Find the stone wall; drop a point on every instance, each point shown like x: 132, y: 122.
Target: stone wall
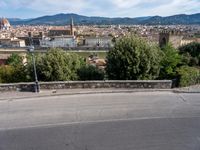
x: 147, y: 84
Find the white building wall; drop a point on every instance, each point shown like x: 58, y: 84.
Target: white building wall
x: 101, y: 41
x: 58, y: 42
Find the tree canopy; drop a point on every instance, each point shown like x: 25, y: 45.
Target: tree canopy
x: 169, y: 63
x: 192, y: 53
x: 58, y: 65
x: 133, y: 58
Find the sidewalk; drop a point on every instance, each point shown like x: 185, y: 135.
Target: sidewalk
x: 190, y: 89
x: 45, y: 93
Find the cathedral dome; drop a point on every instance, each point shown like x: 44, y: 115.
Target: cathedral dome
x: 4, y: 23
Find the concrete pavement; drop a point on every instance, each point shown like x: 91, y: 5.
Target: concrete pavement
x: 45, y: 93
x: 109, y: 121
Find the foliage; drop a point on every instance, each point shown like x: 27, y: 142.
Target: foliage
x: 170, y: 61
x: 188, y: 76
x: 133, y: 58
x: 56, y: 65
x: 6, y: 74
x: 192, y: 53
x: 14, y: 60
x: 90, y: 72
x: 14, y: 71
x: 11, y: 74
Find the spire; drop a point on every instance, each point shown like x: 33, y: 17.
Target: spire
x: 1, y: 24
x: 72, y: 26
x: 72, y: 22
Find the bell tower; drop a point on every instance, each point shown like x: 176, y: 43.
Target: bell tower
x: 72, y: 27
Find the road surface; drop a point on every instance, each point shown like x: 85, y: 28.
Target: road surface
x: 118, y: 121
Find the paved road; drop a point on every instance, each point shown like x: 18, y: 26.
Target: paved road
x: 124, y: 121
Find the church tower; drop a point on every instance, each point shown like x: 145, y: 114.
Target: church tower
x: 72, y: 27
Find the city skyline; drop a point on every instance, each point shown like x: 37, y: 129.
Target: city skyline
x: 105, y: 8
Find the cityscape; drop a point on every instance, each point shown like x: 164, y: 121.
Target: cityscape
x: 89, y: 37
x: 100, y: 75
x: 74, y: 35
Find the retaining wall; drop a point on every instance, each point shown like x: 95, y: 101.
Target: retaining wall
x: 144, y: 84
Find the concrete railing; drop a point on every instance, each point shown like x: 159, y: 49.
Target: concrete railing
x: 130, y: 84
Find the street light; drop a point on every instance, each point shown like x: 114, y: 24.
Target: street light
x: 31, y: 49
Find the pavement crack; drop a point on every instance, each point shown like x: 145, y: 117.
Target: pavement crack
x: 182, y: 98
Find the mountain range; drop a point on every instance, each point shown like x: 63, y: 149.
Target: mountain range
x: 63, y: 19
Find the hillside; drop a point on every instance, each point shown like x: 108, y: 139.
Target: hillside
x: 63, y: 19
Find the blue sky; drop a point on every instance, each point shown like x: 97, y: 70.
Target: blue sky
x: 106, y: 8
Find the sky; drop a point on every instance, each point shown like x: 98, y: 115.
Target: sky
x: 105, y: 8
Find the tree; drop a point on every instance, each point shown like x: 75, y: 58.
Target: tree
x: 188, y: 76
x: 169, y: 63
x: 133, y: 58
x: 7, y: 74
x: 57, y: 65
x: 192, y: 52
x: 14, y: 60
x: 89, y: 72
x: 14, y: 71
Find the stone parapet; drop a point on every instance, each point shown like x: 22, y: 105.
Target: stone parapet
x: 129, y: 84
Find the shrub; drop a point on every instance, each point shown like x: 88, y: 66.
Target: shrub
x: 133, y: 58
x: 169, y: 63
x: 192, y: 51
x: 11, y: 74
x: 90, y: 72
x: 6, y: 74
x: 14, y: 60
x: 188, y: 76
x: 56, y: 65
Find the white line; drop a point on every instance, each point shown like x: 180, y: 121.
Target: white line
x: 92, y: 122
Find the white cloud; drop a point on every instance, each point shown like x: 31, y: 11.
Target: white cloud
x: 129, y: 8
x: 176, y: 7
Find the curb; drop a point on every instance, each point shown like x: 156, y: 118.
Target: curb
x: 184, y: 91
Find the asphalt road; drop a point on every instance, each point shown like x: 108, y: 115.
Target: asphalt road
x: 124, y: 121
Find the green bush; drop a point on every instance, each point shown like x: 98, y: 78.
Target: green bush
x: 6, y: 74
x: 192, y: 52
x: 11, y: 74
x: 13, y: 71
x: 14, y: 60
x: 89, y: 72
x: 188, y: 76
x: 56, y: 65
x: 133, y: 58
x: 169, y: 63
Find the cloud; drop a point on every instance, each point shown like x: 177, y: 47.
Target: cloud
x: 110, y: 8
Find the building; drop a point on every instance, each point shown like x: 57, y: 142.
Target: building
x: 12, y: 42
x: 188, y: 40
x: 98, y: 41
x: 60, y: 37
x: 58, y: 41
x: 4, y: 24
x: 173, y: 37
x: 59, y: 31
x: 63, y: 31
x: 6, y: 53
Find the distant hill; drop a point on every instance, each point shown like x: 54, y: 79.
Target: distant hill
x: 174, y: 20
x: 63, y: 19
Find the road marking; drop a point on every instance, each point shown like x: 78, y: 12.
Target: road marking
x: 92, y: 122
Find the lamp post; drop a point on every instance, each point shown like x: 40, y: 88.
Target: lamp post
x: 37, y: 86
